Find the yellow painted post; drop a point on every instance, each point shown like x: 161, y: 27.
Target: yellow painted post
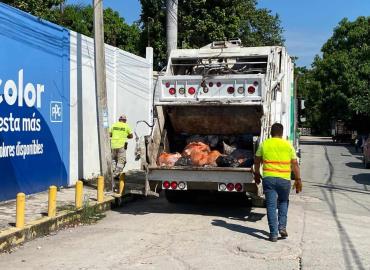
x: 100, y: 188
x: 79, y: 194
x: 121, y: 183
x: 52, y: 210
x: 20, y: 206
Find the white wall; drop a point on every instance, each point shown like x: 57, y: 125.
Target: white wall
x: 129, y: 91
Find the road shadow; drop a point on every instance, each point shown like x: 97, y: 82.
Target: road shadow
x: 260, y: 234
x: 355, y: 165
x: 353, y: 151
x: 340, y: 188
x: 208, y: 206
x: 362, y: 178
x: 349, y: 250
x: 316, y: 143
x: 320, y: 142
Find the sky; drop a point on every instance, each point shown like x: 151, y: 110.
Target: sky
x: 307, y: 23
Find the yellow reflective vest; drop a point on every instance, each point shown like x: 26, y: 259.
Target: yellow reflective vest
x: 119, y: 132
x: 276, y: 155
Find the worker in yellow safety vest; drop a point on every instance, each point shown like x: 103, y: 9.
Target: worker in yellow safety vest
x: 279, y: 159
x: 119, y: 133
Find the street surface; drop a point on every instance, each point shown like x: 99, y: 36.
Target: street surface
x: 328, y: 226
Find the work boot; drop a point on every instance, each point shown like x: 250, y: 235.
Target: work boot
x: 283, y: 233
x: 273, y: 238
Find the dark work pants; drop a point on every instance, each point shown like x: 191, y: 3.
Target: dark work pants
x: 277, y: 197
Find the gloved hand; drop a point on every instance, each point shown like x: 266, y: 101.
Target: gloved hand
x: 297, y: 185
x: 257, y: 177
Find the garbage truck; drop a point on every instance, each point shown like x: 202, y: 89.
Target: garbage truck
x: 227, y: 93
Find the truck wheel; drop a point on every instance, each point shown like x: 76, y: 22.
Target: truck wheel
x: 174, y: 196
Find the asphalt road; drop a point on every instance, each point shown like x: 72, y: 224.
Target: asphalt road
x: 329, y: 228
x: 337, y: 228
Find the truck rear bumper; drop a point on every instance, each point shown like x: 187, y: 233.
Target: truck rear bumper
x: 201, y: 174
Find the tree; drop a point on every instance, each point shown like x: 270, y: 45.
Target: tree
x: 120, y: 34
x: 80, y: 18
x: 39, y: 8
x: 338, y: 86
x: 200, y: 22
x: 75, y: 17
x: 116, y: 31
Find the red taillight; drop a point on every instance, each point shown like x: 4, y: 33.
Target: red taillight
x: 166, y: 184
x: 172, y: 91
x: 251, y: 90
x: 238, y: 187
x: 210, y: 84
x: 191, y: 90
x: 168, y: 84
x: 218, y: 84
x: 173, y: 185
x: 255, y: 83
x: 230, y: 186
x: 230, y: 90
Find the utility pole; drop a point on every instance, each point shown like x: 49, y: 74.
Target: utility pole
x: 61, y: 13
x: 172, y: 10
x: 150, y: 20
x: 101, y: 96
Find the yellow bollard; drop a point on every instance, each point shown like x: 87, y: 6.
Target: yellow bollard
x: 100, y: 188
x: 121, y: 183
x: 20, y: 205
x: 52, y: 209
x: 79, y: 193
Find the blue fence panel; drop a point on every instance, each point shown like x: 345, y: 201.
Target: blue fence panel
x: 34, y: 103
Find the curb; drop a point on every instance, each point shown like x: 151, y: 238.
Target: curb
x: 12, y: 237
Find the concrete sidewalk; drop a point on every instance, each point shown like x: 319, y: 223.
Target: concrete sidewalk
x: 37, y: 223
x: 37, y: 205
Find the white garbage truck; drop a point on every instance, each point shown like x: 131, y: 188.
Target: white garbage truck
x: 227, y: 93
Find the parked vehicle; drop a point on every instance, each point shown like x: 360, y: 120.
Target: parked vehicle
x: 222, y: 90
x: 341, y: 133
x: 366, y: 151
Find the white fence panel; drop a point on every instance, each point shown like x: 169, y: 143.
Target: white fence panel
x: 129, y: 91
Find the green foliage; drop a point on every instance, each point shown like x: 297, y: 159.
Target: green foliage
x: 90, y: 214
x: 80, y: 18
x: 39, y: 8
x: 200, y: 22
x: 338, y: 85
x: 75, y: 17
x: 116, y: 31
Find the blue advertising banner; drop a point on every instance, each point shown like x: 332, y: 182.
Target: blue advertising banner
x: 34, y: 103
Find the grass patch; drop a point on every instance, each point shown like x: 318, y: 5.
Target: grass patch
x: 65, y: 207
x: 90, y: 214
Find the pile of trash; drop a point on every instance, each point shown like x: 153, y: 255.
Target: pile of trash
x: 198, y: 152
